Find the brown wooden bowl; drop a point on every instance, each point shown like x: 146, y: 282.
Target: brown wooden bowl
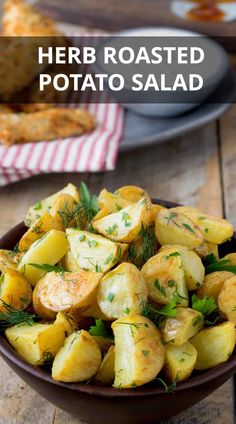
x: 103, y: 405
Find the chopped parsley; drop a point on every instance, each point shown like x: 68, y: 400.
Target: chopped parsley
x: 110, y: 297
x: 208, y: 307
x: 99, y: 330
x: 212, y: 265
x: 159, y: 287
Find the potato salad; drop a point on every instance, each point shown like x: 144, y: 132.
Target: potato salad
x: 118, y: 290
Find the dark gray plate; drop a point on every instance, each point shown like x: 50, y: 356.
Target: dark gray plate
x: 141, y: 131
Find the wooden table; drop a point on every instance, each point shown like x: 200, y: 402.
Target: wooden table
x: 196, y: 169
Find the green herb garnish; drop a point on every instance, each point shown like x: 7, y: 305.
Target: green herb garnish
x: 212, y: 265
x: 99, y: 330
x: 11, y: 316
x: 49, y: 268
x: 208, y: 307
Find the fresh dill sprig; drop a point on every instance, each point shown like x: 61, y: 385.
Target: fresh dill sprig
x: 139, y: 255
x: 212, y: 265
x: 168, y: 388
x: 86, y: 209
x: 11, y: 316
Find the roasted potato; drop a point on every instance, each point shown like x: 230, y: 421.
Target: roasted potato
x: 62, y: 210
x: 47, y: 250
x: 194, y: 270
x: 125, y: 225
x: 39, y: 208
x: 44, y: 224
x: 37, y: 343
x: 179, y: 361
x: 231, y: 257
x: 104, y: 343
x: 214, y: 345
x: 132, y: 193
x: 111, y: 202
x: 183, y: 327
x: 139, y: 352
x: 68, y: 320
x: 213, y: 284
x: 79, y: 358
x: 7, y: 260
x: 207, y: 249
x: 94, y: 252
x: 106, y: 372
x: 14, y: 290
x: 69, y: 263
x: 227, y: 299
x: 173, y: 227
x: 164, y: 276
x: 122, y: 292
x: 64, y: 292
x: 93, y: 311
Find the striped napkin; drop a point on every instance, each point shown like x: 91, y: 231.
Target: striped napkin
x: 92, y: 152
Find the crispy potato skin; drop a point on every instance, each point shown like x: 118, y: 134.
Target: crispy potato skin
x: 7, y: 260
x: 106, y: 372
x: 79, y: 359
x: 164, y: 275
x: 69, y: 263
x: 111, y: 202
x: 227, y: 299
x: 179, y: 361
x: 173, y: 227
x: 214, y: 345
x: 231, y: 257
x: 183, y: 327
x: 132, y: 193
x: 56, y: 292
x: 213, y: 284
x: 122, y: 291
x: 15, y: 290
x: 139, y: 352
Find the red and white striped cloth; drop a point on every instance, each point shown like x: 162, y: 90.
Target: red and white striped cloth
x: 92, y: 152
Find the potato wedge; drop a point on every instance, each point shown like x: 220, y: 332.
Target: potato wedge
x: 7, y: 260
x: 62, y: 210
x: 106, y: 372
x: 79, y: 359
x: 93, y: 311
x: 207, y: 249
x: 139, y: 352
x: 47, y: 250
x: 37, y: 343
x: 14, y: 290
x: 183, y: 327
x: 94, y: 252
x: 111, y: 202
x: 44, y: 224
x: 64, y: 292
x: 69, y: 263
x: 214, y: 345
x: 125, y: 225
x: 213, y: 284
x: 179, y: 362
x: 227, y: 299
x: 173, y: 227
x: 122, y: 291
x: 164, y: 276
x: 104, y: 343
x: 194, y: 270
x: 132, y: 193
x: 45, y: 205
x: 68, y: 320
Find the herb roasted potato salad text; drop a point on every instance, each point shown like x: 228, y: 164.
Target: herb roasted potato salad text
x: 118, y: 291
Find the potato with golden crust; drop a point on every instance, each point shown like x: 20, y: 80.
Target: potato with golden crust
x: 227, y: 299
x: 132, y: 193
x: 179, y: 361
x: 124, y: 226
x: 164, y: 276
x: 183, y: 327
x: 214, y: 345
x: 15, y: 290
x: 111, y: 202
x: 139, y: 352
x: 79, y: 359
x: 122, y: 292
x: 106, y: 372
x: 207, y: 249
x: 62, y: 210
x: 69, y: 263
x: 213, y: 284
x: 64, y: 292
x: 7, y: 259
x: 231, y: 257
x: 47, y: 250
x: 173, y: 227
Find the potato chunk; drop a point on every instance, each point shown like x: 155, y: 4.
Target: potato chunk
x: 14, y: 290
x: 194, y: 270
x: 164, y: 276
x: 231, y: 257
x: 37, y: 343
x: 180, y: 361
x: 39, y: 208
x: 183, y: 327
x: 213, y: 284
x: 64, y: 291
x: 111, y: 202
x: 227, y: 299
x: 62, y: 210
x: 93, y: 252
x: 173, y: 227
x: 47, y: 250
x: 106, y: 372
x: 132, y: 193
x: 125, y: 225
x: 7, y: 260
x: 79, y: 359
x: 139, y: 352
x: 69, y: 263
x: 122, y: 291
x: 214, y: 345
x: 207, y: 249
x: 44, y: 224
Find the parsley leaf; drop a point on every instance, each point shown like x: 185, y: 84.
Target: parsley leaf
x: 99, y: 330
x: 208, y: 307
x: 212, y: 265
x: 158, y: 314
